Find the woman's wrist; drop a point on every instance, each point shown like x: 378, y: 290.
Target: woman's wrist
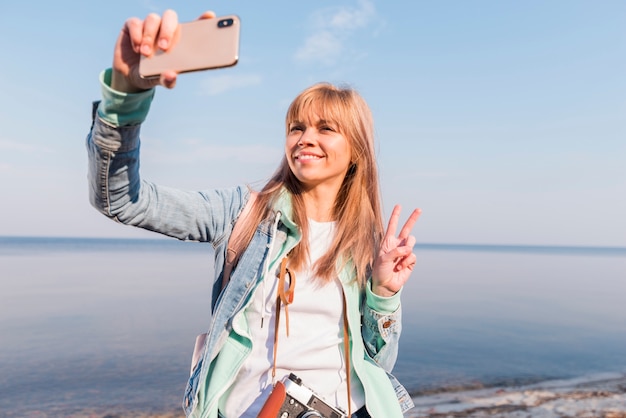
x: 120, y: 108
x: 381, y: 303
x: 382, y: 291
x: 120, y: 82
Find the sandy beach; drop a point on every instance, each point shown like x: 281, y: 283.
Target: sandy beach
x: 598, y: 396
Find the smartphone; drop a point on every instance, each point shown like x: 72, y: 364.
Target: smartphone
x: 203, y: 45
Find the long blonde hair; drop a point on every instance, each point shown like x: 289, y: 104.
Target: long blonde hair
x: 357, y: 209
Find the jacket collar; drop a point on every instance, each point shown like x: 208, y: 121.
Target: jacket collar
x: 283, y: 207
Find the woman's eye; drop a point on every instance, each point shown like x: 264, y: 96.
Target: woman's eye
x: 295, y: 128
x: 327, y: 128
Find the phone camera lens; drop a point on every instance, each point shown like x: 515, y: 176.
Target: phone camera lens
x: 224, y: 23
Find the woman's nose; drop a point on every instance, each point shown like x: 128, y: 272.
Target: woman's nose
x: 308, y: 136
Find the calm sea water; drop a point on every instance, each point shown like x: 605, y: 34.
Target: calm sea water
x: 102, y: 323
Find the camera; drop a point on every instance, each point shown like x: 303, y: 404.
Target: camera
x: 291, y: 399
x: 224, y: 23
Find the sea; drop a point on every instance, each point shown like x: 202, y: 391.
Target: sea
x: 91, y: 325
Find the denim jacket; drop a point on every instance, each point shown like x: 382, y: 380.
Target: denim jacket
x: 117, y: 191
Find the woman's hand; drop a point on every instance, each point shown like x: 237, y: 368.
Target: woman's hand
x: 144, y: 37
x: 395, y: 260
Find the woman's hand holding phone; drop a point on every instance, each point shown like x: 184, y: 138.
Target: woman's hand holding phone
x: 144, y: 38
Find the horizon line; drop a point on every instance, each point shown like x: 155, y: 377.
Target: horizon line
x: 543, y: 248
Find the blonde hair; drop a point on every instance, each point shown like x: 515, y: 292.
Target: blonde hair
x: 357, y: 208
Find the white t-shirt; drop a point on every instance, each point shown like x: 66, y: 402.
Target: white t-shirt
x: 314, y: 348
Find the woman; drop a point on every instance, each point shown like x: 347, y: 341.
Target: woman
x: 304, y: 268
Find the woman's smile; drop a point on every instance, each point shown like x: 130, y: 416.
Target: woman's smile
x: 305, y: 156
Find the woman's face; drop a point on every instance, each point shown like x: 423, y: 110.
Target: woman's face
x: 318, y: 155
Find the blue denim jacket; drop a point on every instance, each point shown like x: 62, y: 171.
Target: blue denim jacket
x: 117, y: 191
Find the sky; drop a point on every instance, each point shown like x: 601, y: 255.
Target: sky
x: 504, y: 121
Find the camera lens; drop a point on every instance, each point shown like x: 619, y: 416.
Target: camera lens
x: 225, y: 23
x: 311, y: 414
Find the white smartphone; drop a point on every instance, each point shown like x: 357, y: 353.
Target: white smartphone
x: 202, y: 45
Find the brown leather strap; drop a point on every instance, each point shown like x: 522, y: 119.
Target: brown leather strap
x: 276, y: 336
x: 271, y: 408
x: 346, y: 350
x: 284, y: 297
x: 236, y: 235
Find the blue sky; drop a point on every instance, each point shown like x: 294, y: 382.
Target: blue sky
x: 503, y: 120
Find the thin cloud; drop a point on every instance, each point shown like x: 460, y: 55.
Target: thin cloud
x: 353, y: 19
x: 323, y: 46
x: 219, y: 84
x: 332, y: 29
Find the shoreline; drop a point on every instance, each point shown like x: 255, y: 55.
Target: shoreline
x: 595, y: 396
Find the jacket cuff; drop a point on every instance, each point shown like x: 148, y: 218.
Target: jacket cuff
x: 122, y: 109
x: 384, y: 305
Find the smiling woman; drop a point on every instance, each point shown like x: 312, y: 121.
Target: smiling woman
x: 317, y: 153
x: 315, y: 134
x: 319, y: 218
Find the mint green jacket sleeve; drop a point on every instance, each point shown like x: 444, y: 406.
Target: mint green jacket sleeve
x: 382, y: 325
x: 122, y: 109
x: 118, y: 191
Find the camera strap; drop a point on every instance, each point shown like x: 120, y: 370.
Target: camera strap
x: 346, y: 350
x: 285, y: 297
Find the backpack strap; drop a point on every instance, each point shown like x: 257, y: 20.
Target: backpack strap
x: 231, y: 255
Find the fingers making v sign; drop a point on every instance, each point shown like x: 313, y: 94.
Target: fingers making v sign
x: 395, y: 259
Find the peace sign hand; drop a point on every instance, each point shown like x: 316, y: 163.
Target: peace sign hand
x: 395, y: 260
